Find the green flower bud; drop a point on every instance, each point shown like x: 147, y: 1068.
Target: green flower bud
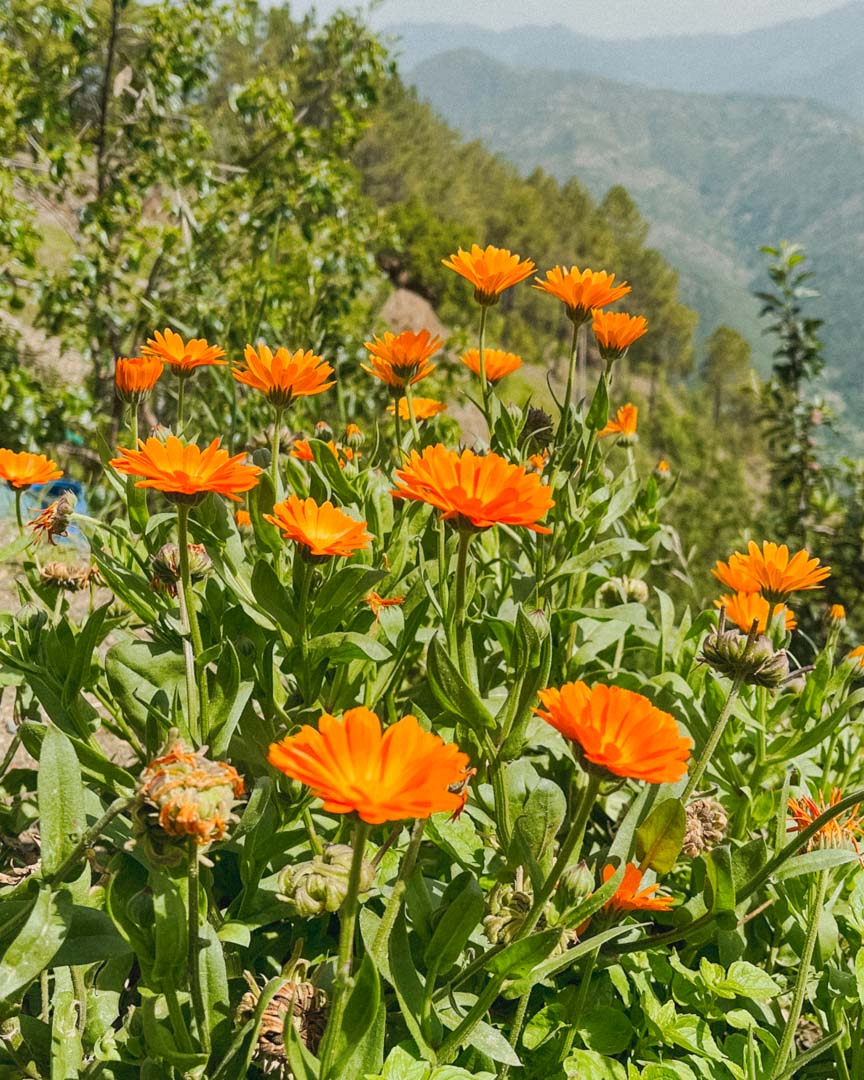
x: 751, y: 658
x: 320, y: 885
x: 574, y: 885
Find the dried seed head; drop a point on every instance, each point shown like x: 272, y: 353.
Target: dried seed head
x: 508, y: 908
x: 537, y: 431
x: 185, y: 794
x: 751, y: 657
x: 706, y: 826
x: 54, y: 519
x: 321, y: 884
x: 807, y: 1034
x: 166, y: 566
x: 59, y: 575
x: 308, y: 1008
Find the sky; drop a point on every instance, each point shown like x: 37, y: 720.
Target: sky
x: 610, y: 19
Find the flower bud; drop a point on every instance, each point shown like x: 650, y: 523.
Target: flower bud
x: 537, y: 431
x: 706, y: 826
x: 166, y: 566
x: 622, y: 590
x: 753, y: 659
x: 540, y: 621
x: 321, y: 884
x: 183, y: 794
x: 662, y: 470
x: 323, y: 431
x: 574, y: 885
x: 353, y: 437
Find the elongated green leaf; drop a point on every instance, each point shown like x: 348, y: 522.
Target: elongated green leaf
x: 452, y: 691
x: 720, y: 887
x: 660, y: 837
x: 463, y: 907
x: 812, y: 861
x: 345, y: 645
x: 36, y: 943
x: 272, y: 597
x: 66, y: 1050
x: 61, y: 799
x: 85, y: 645
x: 94, y: 765
x: 491, y: 1042
x: 360, y: 1012
x: 340, y: 595
x: 217, y: 997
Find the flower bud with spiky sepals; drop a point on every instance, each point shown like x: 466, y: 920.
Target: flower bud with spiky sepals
x: 183, y: 794
x: 166, y: 566
x: 749, y: 657
x: 706, y: 826
x: 537, y: 431
x: 321, y: 884
x: 574, y: 885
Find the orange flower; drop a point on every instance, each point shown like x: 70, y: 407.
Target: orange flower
x: 54, y: 519
x: 302, y: 450
x: 401, y: 360
x: 22, y: 469
x: 616, y: 331
x: 743, y: 608
x: 243, y: 519
x: 497, y: 362
x: 771, y: 571
x: 185, y: 472
x: 538, y: 461
x: 837, y: 613
x: 839, y: 832
x: 582, y: 290
x: 283, y: 376
x: 135, y: 377
x: 662, y: 469
x: 624, y: 423
x: 323, y: 530
x: 377, y: 603
x: 476, y: 492
x: 424, y: 408
x: 490, y: 271
x: 629, y: 897
x: 856, y: 654
x: 183, y: 356
x: 618, y: 730
x: 403, y: 772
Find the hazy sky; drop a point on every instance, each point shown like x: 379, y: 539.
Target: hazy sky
x: 612, y: 18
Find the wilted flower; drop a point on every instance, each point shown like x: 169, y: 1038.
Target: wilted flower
x: 771, y: 571
x: 135, y: 377
x: 186, y: 473
x: 581, y: 290
x: 537, y: 431
x: 60, y: 575
x: 474, y: 492
x: 183, y: 356
x: 749, y: 657
x: 308, y: 1009
x: 618, y: 731
x: 354, y: 766
x: 490, y: 271
x: 311, y: 888
x: 377, y: 603
x: 166, y: 566
x: 840, y: 832
x: 623, y: 423
x: 497, y: 363
x: 191, y: 795
x: 508, y: 908
x: 623, y: 590
x: 706, y: 826
x: 21, y: 469
x: 54, y: 519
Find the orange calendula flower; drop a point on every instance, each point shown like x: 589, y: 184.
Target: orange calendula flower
x: 630, y: 897
x: 662, y: 469
x: 839, y: 832
x: 615, y: 332
x: 497, y: 362
x: 475, y: 492
x: 302, y: 450
x: 183, y: 356
x: 21, y: 469
x: 538, y: 461
x: 135, y: 377
x: 623, y: 423
x: 771, y: 571
x: 186, y: 473
x: 743, y: 608
x: 581, y: 290
x: 243, y: 519
x: 837, y: 613
x: 490, y: 270
x: 378, y: 603
x: 424, y: 408
x: 354, y: 766
x: 618, y: 730
x: 283, y: 376
x: 321, y: 531
x: 401, y: 360
x: 856, y: 654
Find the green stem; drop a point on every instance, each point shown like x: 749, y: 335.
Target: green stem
x: 181, y: 401
x: 194, y: 946
x: 348, y: 920
x: 391, y: 911
x: 803, y: 971
x: 274, y: 452
x: 857, y: 1072
x: 409, y: 398
x: 398, y: 419
x: 303, y: 621
x: 18, y: 493
x: 516, y: 1030
x: 178, y: 1021
x: 579, y: 1004
x: 502, y: 806
x: 459, y: 612
x: 192, y: 619
x: 713, y: 739
x: 87, y: 839
x: 484, y: 385
x: 571, y: 374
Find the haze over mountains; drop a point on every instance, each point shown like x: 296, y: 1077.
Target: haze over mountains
x: 717, y: 174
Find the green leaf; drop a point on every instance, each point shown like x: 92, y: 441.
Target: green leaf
x: 693, y: 1033
x: 462, y: 907
x: 719, y: 886
x: 85, y: 645
x: 519, y: 957
x: 92, y: 939
x: 272, y: 597
x: 61, y: 799
x: 217, y: 997
x: 344, y: 646
x: 227, y: 701
x: 451, y: 690
x: 489, y: 1041
x: 360, y: 1013
x: 587, y: 1065
x: 340, y: 595
x: 35, y: 945
x: 660, y: 837
x: 95, y: 766
x: 813, y: 861
x: 535, y: 829
x: 598, y: 413
x: 409, y: 989
x: 169, y: 928
x: 592, y: 554
x: 66, y: 1050
x: 749, y: 981
x: 144, y: 675
x: 606, y: 1030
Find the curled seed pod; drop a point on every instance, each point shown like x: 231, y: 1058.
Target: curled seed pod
x: 706, y: 826
x: 508, y: 908
x: 321, y: 884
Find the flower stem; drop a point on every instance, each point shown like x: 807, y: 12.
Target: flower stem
x: 348, y: 920
x: 459, y: 612
x: 274, y: 452
x: 516, y: 1030
x: 181, y: 401
x: 391, y: 911
x: 803, y: 971
x: 18, y: 493
x: 194, y: 946
x: 303, y: 620
x: 571, y: 374
x: 92, y: 834
x: 409, y: 398
x: 713, y: 739
x: 579, y: 1004
x: 484, y: 385
x: 398, y: 420
x: 192, y: 620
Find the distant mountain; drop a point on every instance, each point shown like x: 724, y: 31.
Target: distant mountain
x: 716, y: 175
x: 820, y: 57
